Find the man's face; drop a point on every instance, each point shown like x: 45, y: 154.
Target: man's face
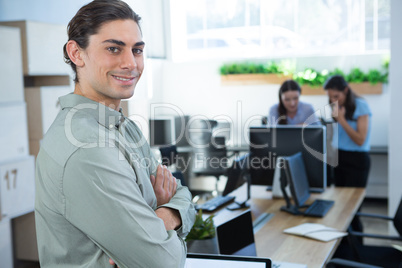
x: 112, y: 63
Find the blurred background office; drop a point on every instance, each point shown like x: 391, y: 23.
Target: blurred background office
x: 187, y: 42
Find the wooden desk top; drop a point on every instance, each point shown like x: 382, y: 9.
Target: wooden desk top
x: 273, y: 243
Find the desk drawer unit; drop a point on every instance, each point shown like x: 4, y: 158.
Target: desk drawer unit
x: 11, y: 78
x: 17, y: 187
x: 14, y: 133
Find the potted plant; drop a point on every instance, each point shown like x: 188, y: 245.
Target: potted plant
x: 247, y: 73
x: 202, y: 238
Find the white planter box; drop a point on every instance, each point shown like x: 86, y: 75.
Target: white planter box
x: 11, y: 78
x: 6, y: 245
x: 17, y: 187
x: 43, y: 107
x: 42, y: 47
x: 14, y: 134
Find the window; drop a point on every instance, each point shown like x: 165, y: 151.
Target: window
x: 277, y: 28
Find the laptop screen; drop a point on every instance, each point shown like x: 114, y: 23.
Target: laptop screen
x: 224, y: 261
x: 236, y: 237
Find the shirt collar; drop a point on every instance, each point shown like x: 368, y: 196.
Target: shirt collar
x: 105, y: 116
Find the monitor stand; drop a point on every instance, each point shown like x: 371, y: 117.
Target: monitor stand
x: 290, y: 208
x: 237, y: 205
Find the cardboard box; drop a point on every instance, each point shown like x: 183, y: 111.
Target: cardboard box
x: 42, y: 47
x: 43, y: 106
x: 17, y: 187
x: 25, y: 242
x: 11, y: 87
x: 14, y: 134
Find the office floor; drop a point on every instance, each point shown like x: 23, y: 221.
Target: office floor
x: 369, y: 206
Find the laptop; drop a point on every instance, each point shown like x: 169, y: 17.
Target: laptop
x: 195, y: 260
x: 236, y: 236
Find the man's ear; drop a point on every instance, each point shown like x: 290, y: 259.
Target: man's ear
x: 75, y: 53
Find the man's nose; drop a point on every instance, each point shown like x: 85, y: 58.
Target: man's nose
x: 128, y: 61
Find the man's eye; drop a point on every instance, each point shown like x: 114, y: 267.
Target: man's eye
x: 113, y: 49
x: 137, y: 51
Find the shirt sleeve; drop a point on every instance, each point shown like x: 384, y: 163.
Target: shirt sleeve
x: 311, y: 117
x: 273, y: 114
x: 103, y: 200
x: 181, y: 201
x: 362, y: 108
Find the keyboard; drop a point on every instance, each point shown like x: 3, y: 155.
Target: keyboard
x: 215, y: 203
x: 319, y: 208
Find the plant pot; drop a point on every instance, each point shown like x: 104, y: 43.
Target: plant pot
x: 364, y: 88
x: 209, y: 246
x: 253, y: 79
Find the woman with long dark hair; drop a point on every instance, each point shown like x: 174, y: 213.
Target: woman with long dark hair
x: 353, y: 140
x: 289, y: 110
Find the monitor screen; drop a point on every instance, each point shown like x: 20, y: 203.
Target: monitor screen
x: 297, y: 178
x: 225, y: 261
x: 161, y: 132
x: 269, y: 142
x: 243, y: 242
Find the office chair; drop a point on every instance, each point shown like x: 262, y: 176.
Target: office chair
x: 211, y: 160
x: 384, y: 256
x: 341, y: 263
x: 168, y: 154
x: 169, y: 159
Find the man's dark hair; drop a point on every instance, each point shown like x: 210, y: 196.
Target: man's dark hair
x: 90, y: 18
x: 337, y: 82
x: 288, y: 85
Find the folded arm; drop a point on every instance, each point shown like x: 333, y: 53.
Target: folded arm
x: 105, y: 199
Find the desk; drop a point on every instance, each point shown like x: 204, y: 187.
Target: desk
x: 273, y: 243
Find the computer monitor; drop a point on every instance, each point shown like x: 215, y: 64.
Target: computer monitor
x: 297, y: 178
x: 269, y: 142
x: 161, y: 131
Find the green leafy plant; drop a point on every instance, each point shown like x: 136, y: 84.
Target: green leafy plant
x: 252, y: 68
x: 356, y: 76
x: 202, y: 229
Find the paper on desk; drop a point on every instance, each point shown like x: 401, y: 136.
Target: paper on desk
x: 398, y: 247
x: 315, y: 231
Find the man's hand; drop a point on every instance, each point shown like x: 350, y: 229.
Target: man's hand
x: 171, y: 218
x: 112, y: 263
x: 164, y: 185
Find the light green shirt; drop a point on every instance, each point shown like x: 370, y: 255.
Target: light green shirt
x: 94, y: 198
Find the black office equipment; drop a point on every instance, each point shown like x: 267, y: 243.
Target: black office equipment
x: 294, y: 174
x: 269, y: 142
x: 225, y: 261
x: 236, y: 237
x: 215, y: 203
x: 383, y: 255
x: 238, y: 175
x: 161, y: 131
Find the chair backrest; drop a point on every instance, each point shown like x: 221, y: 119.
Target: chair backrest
x: 398, y: 218
x: 210, y: 158
x: 168, y: 155
x: 179, y: 175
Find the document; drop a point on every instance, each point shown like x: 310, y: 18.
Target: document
x: 315, y: 231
